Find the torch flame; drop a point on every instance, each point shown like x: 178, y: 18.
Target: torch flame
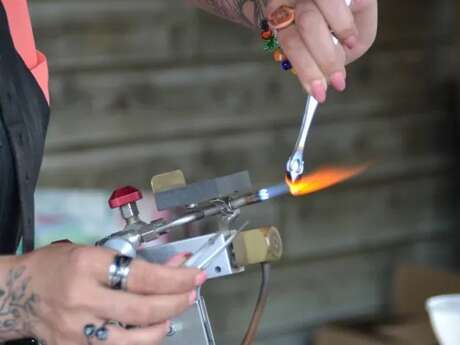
x: 323, y: 178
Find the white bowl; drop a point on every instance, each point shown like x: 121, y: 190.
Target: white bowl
x: 444, y: 314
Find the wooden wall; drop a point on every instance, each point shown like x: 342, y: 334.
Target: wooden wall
x: 141, y: 87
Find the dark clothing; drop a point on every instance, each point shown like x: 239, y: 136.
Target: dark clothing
x: 9, y: 202
x: 24, y: 115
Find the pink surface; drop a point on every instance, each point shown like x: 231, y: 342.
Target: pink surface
x: 21, y: 30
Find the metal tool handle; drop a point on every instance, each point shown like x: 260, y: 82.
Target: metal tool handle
x: 310, y: 109
x: 295, y: 164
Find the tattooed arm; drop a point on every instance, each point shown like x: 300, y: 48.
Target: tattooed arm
x: 18, y: 302
x: 247, y: 12
x: 307, y: 43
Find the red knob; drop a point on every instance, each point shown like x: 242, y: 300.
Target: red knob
x: 123, y: 196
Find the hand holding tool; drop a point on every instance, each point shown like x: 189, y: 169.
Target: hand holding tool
x: 295, y: 163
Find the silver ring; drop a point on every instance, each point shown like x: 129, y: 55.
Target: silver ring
x: 118, y: 272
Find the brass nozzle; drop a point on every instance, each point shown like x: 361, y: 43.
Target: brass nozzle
x: 258, y: 245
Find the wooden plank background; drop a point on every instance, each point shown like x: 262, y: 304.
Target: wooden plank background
x: 144, y: 86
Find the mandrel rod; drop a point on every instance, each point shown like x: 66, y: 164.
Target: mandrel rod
x: 261, y: 195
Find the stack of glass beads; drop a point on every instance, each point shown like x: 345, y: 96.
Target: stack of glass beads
x: 271, y: 45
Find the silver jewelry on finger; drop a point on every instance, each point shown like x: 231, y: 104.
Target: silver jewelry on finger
x: 118, y: 272
x: 115, y: 323
x: 100, y: 333
x: 89, y: 330
x: 282, y: 17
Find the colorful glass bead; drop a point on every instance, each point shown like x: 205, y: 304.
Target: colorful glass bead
x: 266, y: 35
x: 286, y: 65
x: 282, y: 17
x: 293, y: 71
x: 278, y: 55
x: 264, y: 25
x: 271, y: 44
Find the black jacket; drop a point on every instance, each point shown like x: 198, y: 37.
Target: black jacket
x: 25, y: 114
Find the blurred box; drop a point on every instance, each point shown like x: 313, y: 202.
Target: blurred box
x: 408, y: 324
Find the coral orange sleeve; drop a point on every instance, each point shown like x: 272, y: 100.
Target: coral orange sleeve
x: 20, y: 24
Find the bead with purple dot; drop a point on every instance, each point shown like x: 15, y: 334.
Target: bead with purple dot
x: 286, y: 65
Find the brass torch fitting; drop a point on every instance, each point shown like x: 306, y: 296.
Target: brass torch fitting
x: 258, y: 245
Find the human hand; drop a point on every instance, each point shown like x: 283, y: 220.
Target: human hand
x: 309, y: 46
x: 308, y: 43
x: 71, y: 283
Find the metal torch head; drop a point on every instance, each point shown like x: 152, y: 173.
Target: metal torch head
x: 295, y: 166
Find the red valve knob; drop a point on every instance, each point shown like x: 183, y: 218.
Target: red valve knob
x: 123, y: 196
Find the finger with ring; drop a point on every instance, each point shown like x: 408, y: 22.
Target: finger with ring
x: 91, y: 331
x: 111, y: 334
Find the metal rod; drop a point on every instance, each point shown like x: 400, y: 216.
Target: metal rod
x: 151, y: 231
x: 295, y: 163
x: 310, y: 108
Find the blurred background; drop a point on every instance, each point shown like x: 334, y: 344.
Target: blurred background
x: 143, y: 87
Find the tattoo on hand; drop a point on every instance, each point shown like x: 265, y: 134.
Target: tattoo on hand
x: 249, y: 12
x: 18, y: 305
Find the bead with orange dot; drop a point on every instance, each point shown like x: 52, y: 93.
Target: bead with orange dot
x: 278, y: 55
x: 266, y: 35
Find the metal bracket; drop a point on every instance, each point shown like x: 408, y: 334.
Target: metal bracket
x: 203, y: 191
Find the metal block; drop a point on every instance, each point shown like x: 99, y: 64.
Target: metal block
x: 167, y: 181
x: 203, y: 191
x: 221, y: 266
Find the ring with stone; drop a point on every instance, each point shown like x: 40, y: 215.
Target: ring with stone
x: 282, y: 17
x: 92, y: 331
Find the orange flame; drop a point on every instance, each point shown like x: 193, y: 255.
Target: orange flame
x: 323, y: 178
